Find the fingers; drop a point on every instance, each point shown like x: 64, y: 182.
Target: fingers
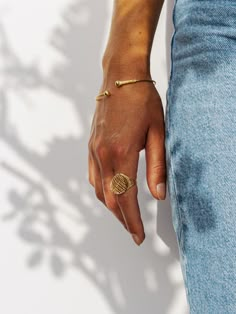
x: 106, y: 173
x: 155, y: 161
x: 97, y: 179
x: 130, y: 208
x: 104, y: 163
x: 124, y: 206
x: 127, y: 163
x: 110, y: 198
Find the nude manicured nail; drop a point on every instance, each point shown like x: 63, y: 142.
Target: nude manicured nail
x: 161, y: 190
x: 136, y: 239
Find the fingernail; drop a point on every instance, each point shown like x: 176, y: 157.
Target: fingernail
x: 161, y: 190
x: 136, y: 239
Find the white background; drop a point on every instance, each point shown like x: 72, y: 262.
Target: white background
x: 62, y: 251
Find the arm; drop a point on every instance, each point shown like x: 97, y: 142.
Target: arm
x: 131, y: 36
x: 131, y: 119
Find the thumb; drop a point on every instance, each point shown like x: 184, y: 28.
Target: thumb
x: 155, y: 161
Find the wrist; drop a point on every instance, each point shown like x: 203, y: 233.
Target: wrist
x: 126, y: 66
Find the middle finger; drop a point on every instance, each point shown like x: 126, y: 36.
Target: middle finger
x: 128, y: 201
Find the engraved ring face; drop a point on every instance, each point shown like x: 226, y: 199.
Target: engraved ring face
x: 119, y: 183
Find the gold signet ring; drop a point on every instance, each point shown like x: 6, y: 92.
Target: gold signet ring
x: 120, y: 183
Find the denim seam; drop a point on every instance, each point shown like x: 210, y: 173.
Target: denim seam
x: 172, y: 172
x: 168, y: 122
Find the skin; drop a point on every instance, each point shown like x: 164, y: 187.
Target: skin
x: 132, y: 118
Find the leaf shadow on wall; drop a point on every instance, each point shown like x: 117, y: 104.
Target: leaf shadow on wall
x: 133, y: 280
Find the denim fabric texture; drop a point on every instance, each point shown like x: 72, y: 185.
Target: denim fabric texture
x: 201, y: 150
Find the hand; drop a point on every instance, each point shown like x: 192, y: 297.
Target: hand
x: 124, y: 123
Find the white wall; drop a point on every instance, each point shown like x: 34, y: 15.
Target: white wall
x: 62, y: 251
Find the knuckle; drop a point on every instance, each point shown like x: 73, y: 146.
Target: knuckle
x: 111, y: 203
x: 97, y: 143
x: 100, y: 149
x: 159, y: 167
x: 119, y: 150
x: 90, y: 144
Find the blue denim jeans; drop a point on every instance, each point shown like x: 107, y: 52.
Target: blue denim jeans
x: 201, y: 150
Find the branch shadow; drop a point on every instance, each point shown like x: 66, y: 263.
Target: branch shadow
x: 132, y: 280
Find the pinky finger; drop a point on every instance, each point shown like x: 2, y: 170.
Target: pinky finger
x: 91, y: 170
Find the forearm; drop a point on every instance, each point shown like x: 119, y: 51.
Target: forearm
x: 131, y: 36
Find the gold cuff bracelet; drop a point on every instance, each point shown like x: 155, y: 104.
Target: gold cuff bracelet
x: 119, y: 84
